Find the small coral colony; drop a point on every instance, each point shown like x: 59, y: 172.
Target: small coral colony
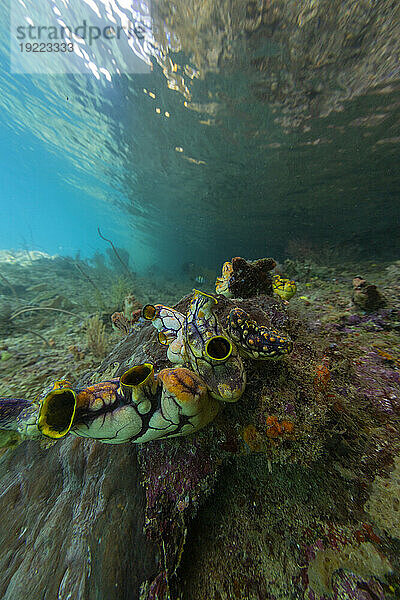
x: 206, y: 370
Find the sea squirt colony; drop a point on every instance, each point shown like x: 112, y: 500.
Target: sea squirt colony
x: 141, y: 406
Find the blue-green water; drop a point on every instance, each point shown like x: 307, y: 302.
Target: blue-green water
x: 226, y: 172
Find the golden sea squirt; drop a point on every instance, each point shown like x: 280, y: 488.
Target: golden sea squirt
x: 211, y: 353
x: 256, y: 341
x: 284, y: 288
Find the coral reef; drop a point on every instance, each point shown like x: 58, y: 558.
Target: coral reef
x: 287, y: 494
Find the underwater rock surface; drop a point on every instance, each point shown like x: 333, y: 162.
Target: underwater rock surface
x: 72, y: 523
x: 277, y: 499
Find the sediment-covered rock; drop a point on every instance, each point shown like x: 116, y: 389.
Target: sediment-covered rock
x: 72, y: 524
x: 238, y: 510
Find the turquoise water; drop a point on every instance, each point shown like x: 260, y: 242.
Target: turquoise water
x: 227, y: 172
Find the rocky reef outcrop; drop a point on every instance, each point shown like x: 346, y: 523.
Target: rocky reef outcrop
x: 270, y: 500
x: 72, y: 524
x: 366, y: 296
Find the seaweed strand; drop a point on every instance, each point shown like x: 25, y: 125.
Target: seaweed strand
x: 116, y: 253
x: 24, y: 310
x: 90, y: 280
x: 35, y: 333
